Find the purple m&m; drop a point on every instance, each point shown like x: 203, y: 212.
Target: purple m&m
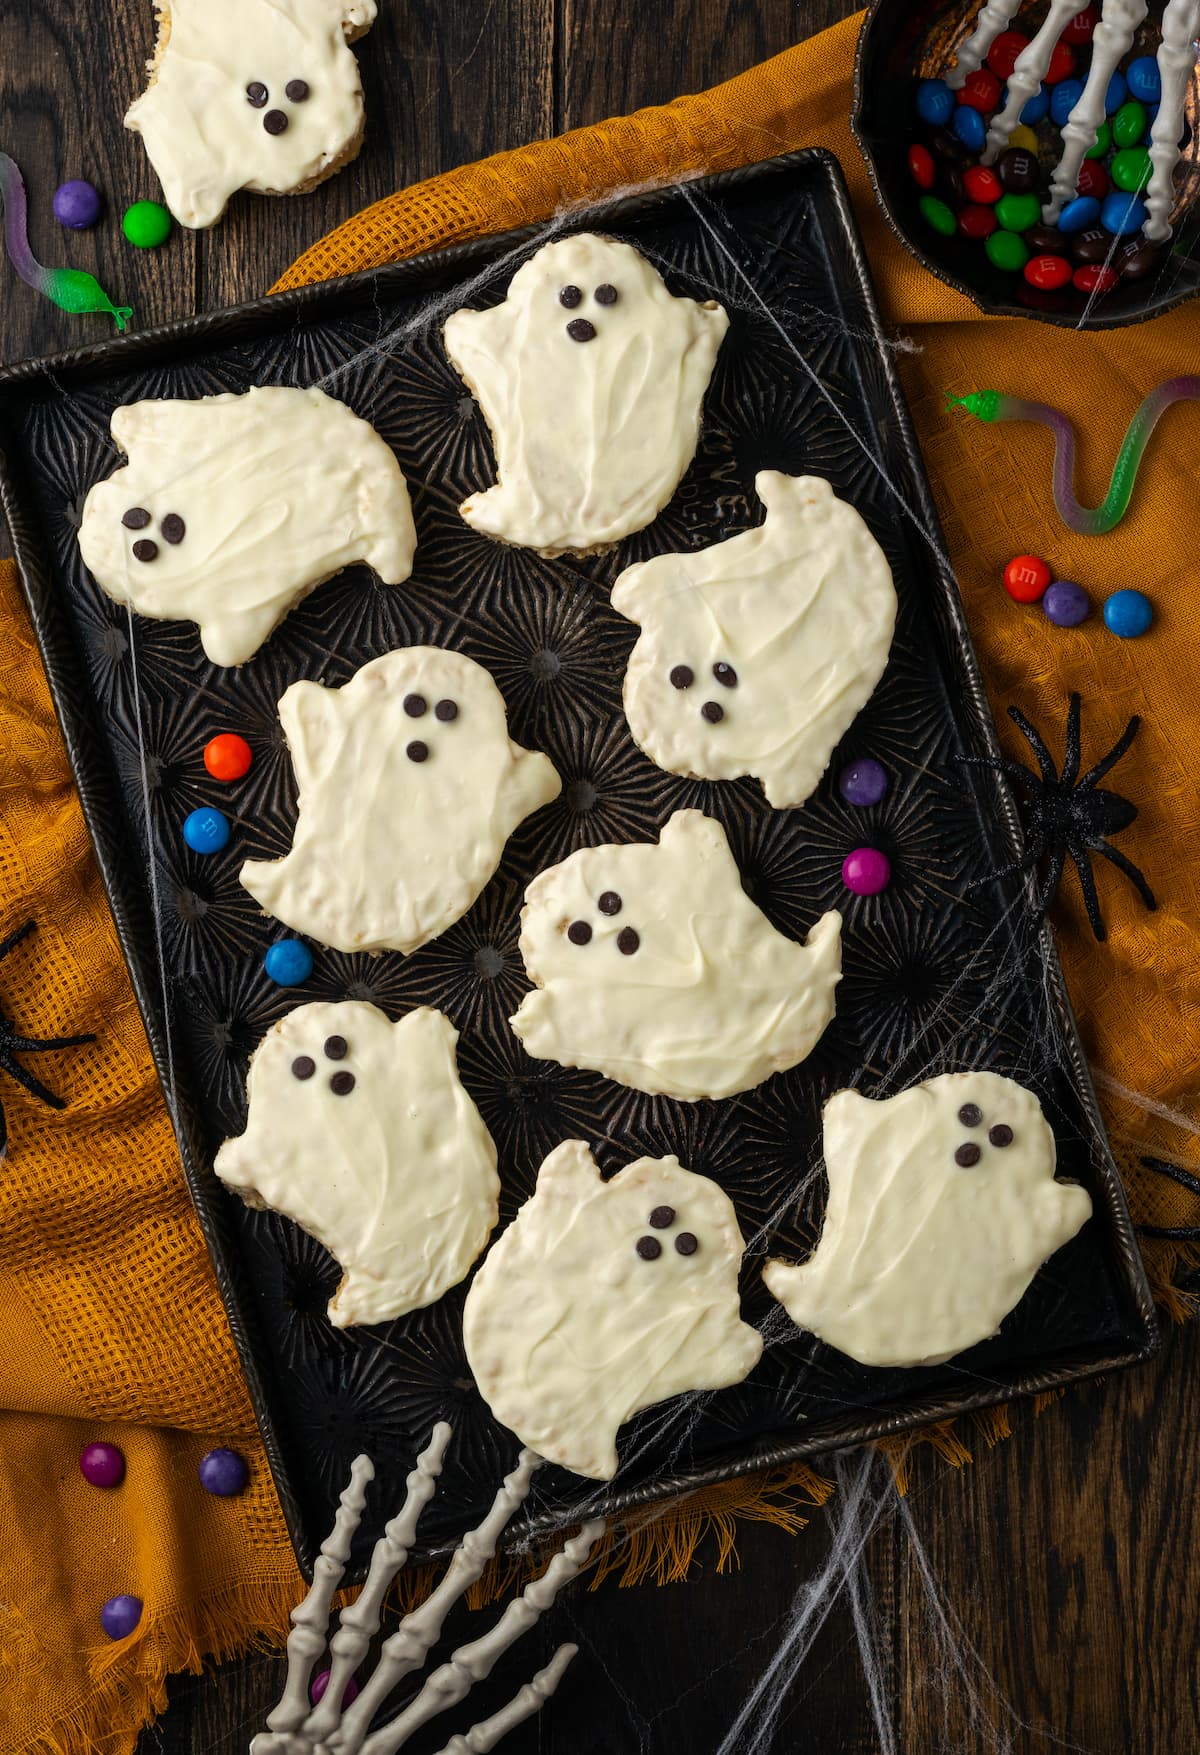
x: 102, y: 1464
x: 76, y: 205
x: 222, y: 1472
x: 866, y: 871
x: 120, y: 1615
x: 863, y: 782
x: 1066, y: 604
x: 320, y: 1683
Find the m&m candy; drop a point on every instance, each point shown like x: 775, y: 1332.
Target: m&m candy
x: 1036, y: 109
x: 982, y: 184
x: 935, y: 101
x: 866, y: 871
x: 1024, y: 137
x: 320, y: 1683
x: 1115, y: 93
x: 864, y: 782
x: 1143, y: 80
x: 1006, y: 250
x: 120, y: 1615
x: 1026, y: 578
x: 222, y: 1472
x: 1080, y: 28
x: 1016, y: 213
x: 981, y: 90
x: 1102, y: 144
x: 970, y: 127
x: 938, y: 215
x: 975, y: 221
x: 921, y: 166
x: 1129, y: 123
x: 1079, y: 214
x: 1122, y: 214
x: 1092, y: 179
x: 227, y: 756
x: 1047, y: 273
x: 146, y: 224
x: 1128, y: 614
x: 288, y: 962
x: 1066, y: 604
x: 1062, y: 63
x: 1063, y: 99
x: 206, y: 830
x: 102, y: 1465
x: 1094, y: 278
x: 1017, y: 170
x: 1130, y: 169
x: 76, y: 205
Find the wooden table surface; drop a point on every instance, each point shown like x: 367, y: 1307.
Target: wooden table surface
x: 1066, y: 1560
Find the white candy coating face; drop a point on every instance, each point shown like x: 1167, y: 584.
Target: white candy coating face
x: 591, y: 376
x: 360, y: 1131
x: 250, y: 94
x: 942, y: 1207
x: 409, y: 786
x: 231, y: 509
x: 602, y: 1298
x: 756, y: 654
x: 655, y: 968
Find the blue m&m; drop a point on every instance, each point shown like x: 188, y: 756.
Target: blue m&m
x: 1116, y: 93
x: 206, y: 830
x: 288, y: 962
x: 1143, y: 79
x: 1063, y: 99
x: 1036, y: 107
x: 1122, y: 214
x: 935, y: 102
x: 1128, y: 614
x: 1079, y: 214
x: 969, y: 127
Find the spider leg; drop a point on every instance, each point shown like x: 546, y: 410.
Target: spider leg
x: 1033, y: 738
x: 14, y: 938
x: 1005, y: 765
x: 1117, y: 858
x: 1050, y: 882
x: 1079, y: 855
x: 1176, y: 1172
x: 1072, y: 752
x: 34, y: 1086
x: 1031, y: 855
x: 1114, y: 755
x: 40, y: 1045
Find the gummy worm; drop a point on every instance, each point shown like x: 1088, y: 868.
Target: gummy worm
x: 71, y: 289
x: 990, y: 405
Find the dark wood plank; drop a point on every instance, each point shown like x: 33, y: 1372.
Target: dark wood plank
x: 444, y: 84
x: 67, y: 74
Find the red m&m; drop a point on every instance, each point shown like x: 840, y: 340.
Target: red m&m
x: 1047, y: 273
x: 980, y: 90
x: 1002, y: 56
x: 981, y: 184
x: 227, y: 756
x: 1062, y: 63
x: 1026, y: 578
x: 1080, y: 28
x: 1092, y: 179
x: 921, y: 167
x: 975, y: 221
x: 1094, y: 277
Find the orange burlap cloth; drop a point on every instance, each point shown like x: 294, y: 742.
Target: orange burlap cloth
x: 112, y: 1327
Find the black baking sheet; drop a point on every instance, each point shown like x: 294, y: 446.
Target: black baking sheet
x: 937, y: 976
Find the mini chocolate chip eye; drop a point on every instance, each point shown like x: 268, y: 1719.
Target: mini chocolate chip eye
x: 415, y: 705
x: 627, y: 941
x: 570, y: 296
x: 336, y: 1048
x: 726, y: 675
x: 713, y: 712
x: 649, y: 1248
x: 1001, y: 1134
x: 145, y: 550
x: 682, y: 677
x: 609, y: 902
x: 304, y: 1066
x: 606, y: 294
x: 970, y: 1115
x: 446, y: 711
x: 579, y: 932
x: 417, y: 751
x: 579, y: 329
x: 967, y: 1155
x: 661, y: 1217
x: 296, y: 90
x: 687, y: 1243
x: 136, y: 518
x: 173, y: 528
x: 341, y: 1084
x: 275, y: 122
x: 256, y: 94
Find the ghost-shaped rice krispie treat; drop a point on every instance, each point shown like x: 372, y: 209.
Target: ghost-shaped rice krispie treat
x: 756, y: 654
x: 250, y: 94
x: 231, y: 509
x: 942, y: 1207
x: 654, y: 967
x: 409, y: 786
x: 602, y: 1298
x: 359, y: 1130
x: 591, y: 376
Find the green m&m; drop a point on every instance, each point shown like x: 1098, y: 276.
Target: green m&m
x: 1006, y: 250
x: 146, y: 224
x: 1016, y: 213
x: 1131, y: 168
x: 1129, y: 123
x: 938, y: 215
x: 1099, y: 149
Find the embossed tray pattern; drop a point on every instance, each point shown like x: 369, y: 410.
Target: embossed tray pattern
x: 935, y: 978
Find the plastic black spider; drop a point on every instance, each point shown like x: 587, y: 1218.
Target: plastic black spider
x: 1185, y: 1179
x: 13, y: 1043
x: 1067, y: 814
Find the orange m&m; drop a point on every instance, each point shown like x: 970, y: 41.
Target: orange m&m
x: 227, y: 757
x: 1026, y: 578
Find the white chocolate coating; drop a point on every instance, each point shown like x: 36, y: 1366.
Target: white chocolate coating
x: 591, y: 437
x: 278, y: 490
x: 921, y: 1258
x: 570, y: 1332
x: 389, y: 850
x: 203, y: 135
x: 712, y: 1001
x: 397, y: 1177
x: 802, y: 609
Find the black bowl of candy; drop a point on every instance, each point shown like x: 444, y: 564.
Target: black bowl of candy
x: 1042, y: 159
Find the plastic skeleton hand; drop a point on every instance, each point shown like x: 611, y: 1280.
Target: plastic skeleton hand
x: 297, y: 1728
